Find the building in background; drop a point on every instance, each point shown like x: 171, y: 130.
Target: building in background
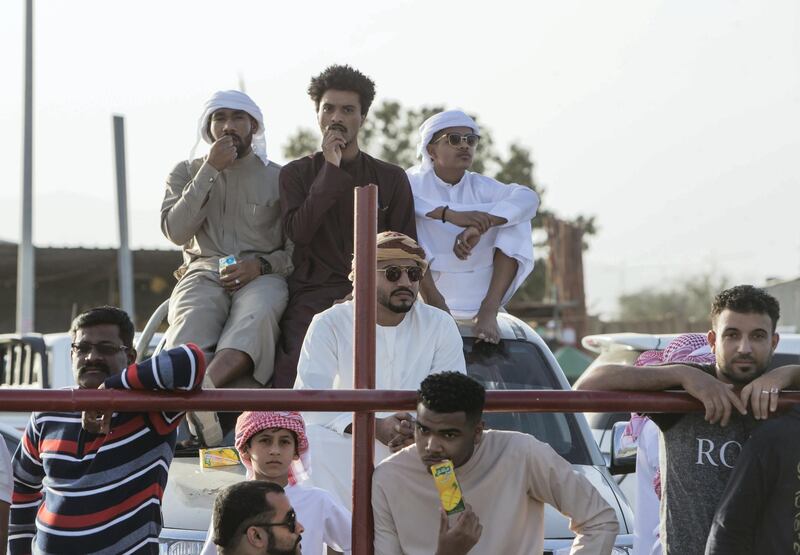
x: 71, y: 280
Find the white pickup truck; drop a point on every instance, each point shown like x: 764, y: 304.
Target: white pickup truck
x: 521, y: 361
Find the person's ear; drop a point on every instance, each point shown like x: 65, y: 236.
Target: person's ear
x: 479, y: 432
x: 131, y: 356
x: 256, y: 537
x: 253, y: 125
x: 712, y: 340
x: 431, y: 148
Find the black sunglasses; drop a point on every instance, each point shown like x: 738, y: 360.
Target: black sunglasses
x: 105, y: 349
x: 290, y: 522
x: 393, y: 273
x: 455, y: 139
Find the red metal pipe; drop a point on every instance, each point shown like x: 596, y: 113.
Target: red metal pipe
x: 26, y: 400
x: 365, y: 312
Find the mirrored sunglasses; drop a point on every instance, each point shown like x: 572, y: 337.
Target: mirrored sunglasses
x: 393, y: 273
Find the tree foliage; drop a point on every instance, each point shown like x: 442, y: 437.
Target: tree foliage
x: 689, y: 301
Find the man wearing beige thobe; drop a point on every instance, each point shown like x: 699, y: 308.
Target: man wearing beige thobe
x: 226, y: 204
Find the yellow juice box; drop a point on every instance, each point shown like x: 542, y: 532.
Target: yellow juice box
x: 218, y: 456
x: 444, y: 474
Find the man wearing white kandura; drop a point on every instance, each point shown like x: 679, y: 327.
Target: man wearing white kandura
x: 475, y: 230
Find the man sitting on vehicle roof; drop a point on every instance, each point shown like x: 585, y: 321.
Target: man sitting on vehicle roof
x: 413, y: 340
x: 317, y: 193
x: 476, y: 230
x: 224, y: 211
x: 93, y: 482
x: 505, y: 479
x: 699, y: 455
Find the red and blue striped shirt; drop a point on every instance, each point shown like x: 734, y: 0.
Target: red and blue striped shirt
x: 79, y: 492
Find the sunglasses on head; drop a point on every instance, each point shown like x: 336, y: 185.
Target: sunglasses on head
x: 290, y: 522
x: 393, y: 273
x: 455, y: 139
x: 105, y: 349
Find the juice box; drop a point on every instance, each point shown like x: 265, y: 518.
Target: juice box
x: 225, y: 262
x: 218, y: 456
x: 444, y: 475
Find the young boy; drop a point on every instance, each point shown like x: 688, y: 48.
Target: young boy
x: 273, y: 447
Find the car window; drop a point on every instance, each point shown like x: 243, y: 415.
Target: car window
x: 518, y: 364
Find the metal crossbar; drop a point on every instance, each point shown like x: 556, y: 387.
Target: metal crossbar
x: 358, y: 401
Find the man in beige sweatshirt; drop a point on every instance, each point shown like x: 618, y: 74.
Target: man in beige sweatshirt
x: 505, y: 477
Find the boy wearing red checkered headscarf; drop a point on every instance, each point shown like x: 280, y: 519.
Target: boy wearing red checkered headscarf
x: 273, y: 446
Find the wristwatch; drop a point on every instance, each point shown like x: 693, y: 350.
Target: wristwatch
x: 266, y: 267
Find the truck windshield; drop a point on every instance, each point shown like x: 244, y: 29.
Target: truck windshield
x: 518, y: 364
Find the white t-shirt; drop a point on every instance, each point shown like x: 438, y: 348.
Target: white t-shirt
x: 646, y: 539
x: 325, y: 520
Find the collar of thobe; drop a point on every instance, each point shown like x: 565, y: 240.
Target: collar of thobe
x: 442, y: 183
x: 239, y: 163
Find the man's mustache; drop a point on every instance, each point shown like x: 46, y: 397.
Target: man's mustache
x: 403, y: 290
x: 95, y: 367
x: 744, y: 358
x: 337, y: 127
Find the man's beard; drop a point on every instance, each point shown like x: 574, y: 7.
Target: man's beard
x: 242, y: 145
x: 273, y: 550
x: 386, y: 301
x: 737, y: 378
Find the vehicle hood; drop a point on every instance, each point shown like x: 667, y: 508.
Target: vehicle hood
x: 191, y: 490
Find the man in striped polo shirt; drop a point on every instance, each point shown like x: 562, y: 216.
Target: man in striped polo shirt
x: 92, y: 483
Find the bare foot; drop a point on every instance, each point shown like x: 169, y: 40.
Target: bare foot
x: 485, y: 327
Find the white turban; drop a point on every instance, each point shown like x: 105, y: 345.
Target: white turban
x: 437, y: 122
x: 233, y: 100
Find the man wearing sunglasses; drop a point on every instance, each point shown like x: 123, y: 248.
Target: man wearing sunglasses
x: 93, y: 482
x: 317, y: 194
x: 255, y: 517
x: 476, y: 230
x: 413, y: 340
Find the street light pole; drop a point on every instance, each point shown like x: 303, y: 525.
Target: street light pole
x: 26, y: 276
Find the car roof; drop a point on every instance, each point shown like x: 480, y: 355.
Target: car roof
x: 789, y: 343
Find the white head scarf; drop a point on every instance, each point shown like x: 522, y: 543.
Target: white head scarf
x: 437, y: 122
x: 232, y: 100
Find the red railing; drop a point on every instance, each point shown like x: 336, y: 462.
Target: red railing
x: 362, y: 401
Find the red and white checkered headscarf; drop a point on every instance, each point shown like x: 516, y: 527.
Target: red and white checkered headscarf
x: 251, y: 422
x: 687, y: 347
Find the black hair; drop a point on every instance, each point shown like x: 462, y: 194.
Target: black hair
x: 238, y: 507
x: 343, y: 78
x: 747, y: 299
x: 105, y: 315
x: 452, y: 392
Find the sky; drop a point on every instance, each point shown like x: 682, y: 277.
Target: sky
x: 674, y: 123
